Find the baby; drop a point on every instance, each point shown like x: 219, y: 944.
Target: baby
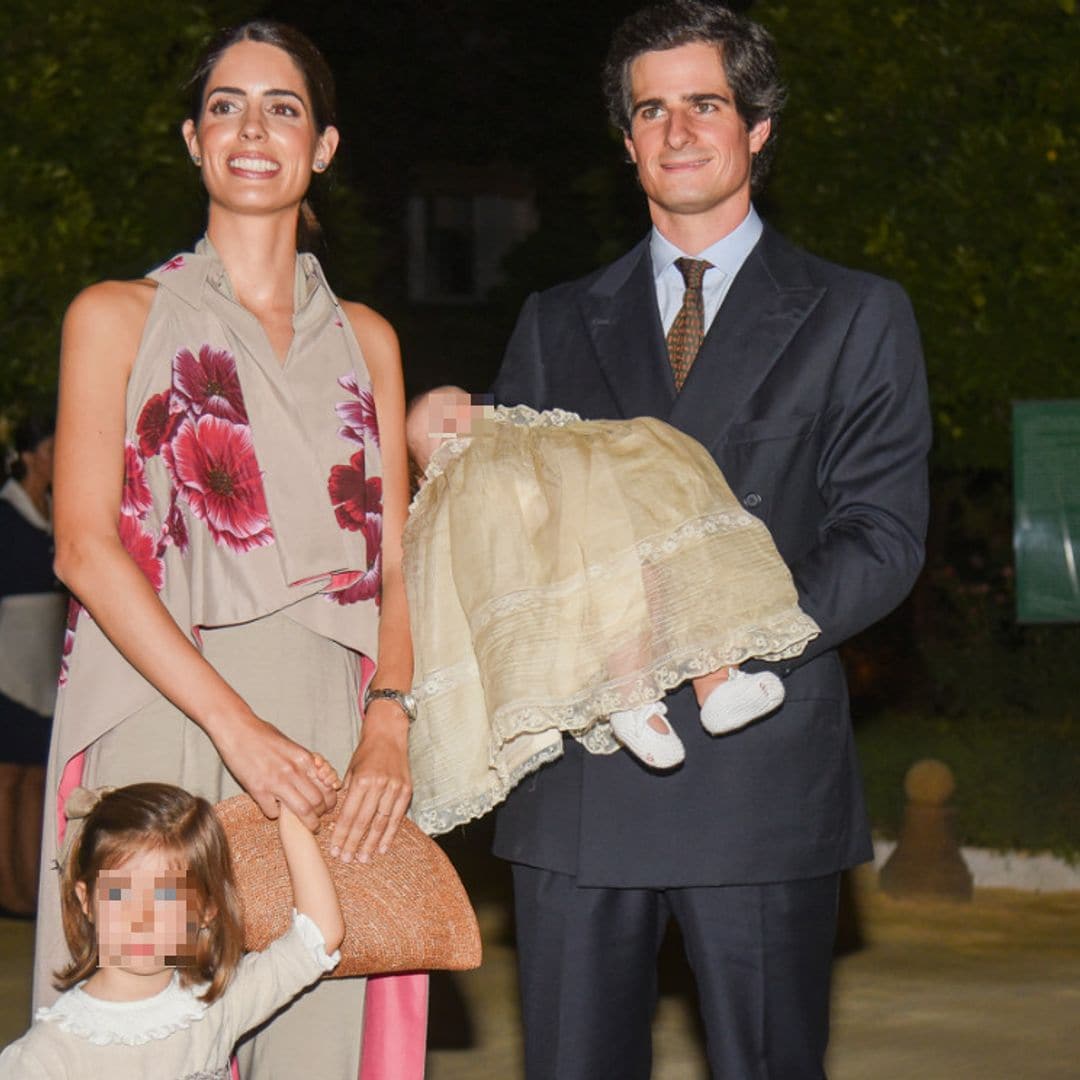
x: 575, y: 571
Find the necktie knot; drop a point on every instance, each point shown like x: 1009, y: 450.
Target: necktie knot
x: 692, y: 270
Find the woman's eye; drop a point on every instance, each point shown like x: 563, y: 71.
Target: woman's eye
x: 220, y: 108
x: 281, y: 109
x: 165, y: 894
x: 116, y: 894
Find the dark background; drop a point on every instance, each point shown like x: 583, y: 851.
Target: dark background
x: 931, y: 142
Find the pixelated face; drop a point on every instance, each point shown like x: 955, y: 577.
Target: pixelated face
x: 146, y: 912
x: 443, y: 414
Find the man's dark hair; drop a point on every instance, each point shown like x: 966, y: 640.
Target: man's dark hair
x: 746, y: 49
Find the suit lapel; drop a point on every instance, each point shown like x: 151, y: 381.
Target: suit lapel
x: 769, y: 300
x: 624, y: 325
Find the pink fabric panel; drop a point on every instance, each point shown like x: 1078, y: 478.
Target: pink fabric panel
x: 395, y: 1027
x: 395, y: 1006
x: 70, y: 779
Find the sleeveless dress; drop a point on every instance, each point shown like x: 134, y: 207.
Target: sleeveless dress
x: 559, y: 570
x: 252, y: 503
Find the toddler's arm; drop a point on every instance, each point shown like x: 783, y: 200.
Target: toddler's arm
x: 313, y: 889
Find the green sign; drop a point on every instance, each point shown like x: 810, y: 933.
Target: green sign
x: 1046, y: 531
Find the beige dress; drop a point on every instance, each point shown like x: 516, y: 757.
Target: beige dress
x: 559, y: 570
x: 252, y: 503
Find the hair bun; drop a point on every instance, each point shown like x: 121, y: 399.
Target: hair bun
x: 82, y: 801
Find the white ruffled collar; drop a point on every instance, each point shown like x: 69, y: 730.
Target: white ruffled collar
x: 14, y: 493
x: 128, y: 1023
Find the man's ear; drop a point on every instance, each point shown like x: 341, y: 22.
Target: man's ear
x: 759, y: 135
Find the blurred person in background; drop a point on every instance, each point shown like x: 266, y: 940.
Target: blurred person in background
x: 32, y: 608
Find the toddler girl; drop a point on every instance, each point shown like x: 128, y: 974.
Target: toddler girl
x: 562, y: 576
x: 157, y: 987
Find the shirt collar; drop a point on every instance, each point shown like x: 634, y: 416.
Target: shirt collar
x: 727, y: 254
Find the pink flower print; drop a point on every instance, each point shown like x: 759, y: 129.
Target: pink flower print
x: 157, y: 423
x: 360, y: 421
x: 209, y: 385
x: 143, y: 549
x: 372, y: 530
x: 176, y: 527
x: 74, y: 610
x: 135, y: 500
x: 175, y: 263
x: 212, y: 463
x: 367, y: 586
x: 354, y: 496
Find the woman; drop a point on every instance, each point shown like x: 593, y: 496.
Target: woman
x: 31, y: 630
x: 231, y: 488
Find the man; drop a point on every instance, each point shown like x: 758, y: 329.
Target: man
x: 809, y: 391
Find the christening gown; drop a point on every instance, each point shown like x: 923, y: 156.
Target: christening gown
x: 559, y: 570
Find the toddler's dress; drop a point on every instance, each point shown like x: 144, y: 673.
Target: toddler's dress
x: 173, y: 1035
x: 559, y: 570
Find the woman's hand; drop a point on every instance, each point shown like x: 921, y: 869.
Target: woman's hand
x: 272, y: 768
x: 377, y: 788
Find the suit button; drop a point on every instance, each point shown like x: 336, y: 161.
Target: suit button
x: 751, y: 500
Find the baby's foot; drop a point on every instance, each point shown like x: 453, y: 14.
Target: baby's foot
x: 647, y: 735
x: 739, y: 699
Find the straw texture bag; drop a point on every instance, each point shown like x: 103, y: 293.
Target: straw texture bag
x: 404, y: 911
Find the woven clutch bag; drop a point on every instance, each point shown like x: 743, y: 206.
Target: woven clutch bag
x: 404, y: 911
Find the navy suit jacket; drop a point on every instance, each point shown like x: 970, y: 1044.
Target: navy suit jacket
x: 810, y: 393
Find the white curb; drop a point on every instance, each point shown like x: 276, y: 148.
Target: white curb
x: 1033, y: 871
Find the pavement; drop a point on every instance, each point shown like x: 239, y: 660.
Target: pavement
x: 923, y: 990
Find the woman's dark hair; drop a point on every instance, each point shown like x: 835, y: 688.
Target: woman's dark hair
x: 746, y: 50
x: 311, y: 63
x: 28, y: 436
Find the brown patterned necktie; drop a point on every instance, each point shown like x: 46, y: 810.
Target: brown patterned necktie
x: 688, y: 330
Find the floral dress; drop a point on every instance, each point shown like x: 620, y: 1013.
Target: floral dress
x: 252, y: 503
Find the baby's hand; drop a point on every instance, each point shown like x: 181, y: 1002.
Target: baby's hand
x: 324, y: 773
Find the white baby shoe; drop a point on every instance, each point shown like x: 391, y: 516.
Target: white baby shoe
x: 631, y: 727
x: 741, y: 698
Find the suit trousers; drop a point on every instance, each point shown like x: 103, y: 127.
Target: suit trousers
x: 761, y: 957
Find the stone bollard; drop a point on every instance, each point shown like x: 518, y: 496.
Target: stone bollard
x: 927, y: 861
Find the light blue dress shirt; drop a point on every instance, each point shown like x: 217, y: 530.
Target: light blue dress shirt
x: 727, y: 256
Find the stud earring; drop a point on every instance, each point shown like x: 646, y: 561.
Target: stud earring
x: 320, y: 165
x: 196, y: 160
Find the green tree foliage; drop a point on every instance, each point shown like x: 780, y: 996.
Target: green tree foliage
x: 95, y: 181
x: 937, y: 144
